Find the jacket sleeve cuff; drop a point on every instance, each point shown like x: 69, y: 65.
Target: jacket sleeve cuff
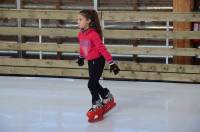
x: 81, y: 57
x: 111, y: 62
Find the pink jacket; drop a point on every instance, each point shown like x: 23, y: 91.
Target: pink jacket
x: 91, y: 46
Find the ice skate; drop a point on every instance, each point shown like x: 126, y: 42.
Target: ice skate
x: 108, y: 103
x: 96, y: 112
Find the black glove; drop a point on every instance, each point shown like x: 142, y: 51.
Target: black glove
x: 80, y: 61
x: 114, y: 68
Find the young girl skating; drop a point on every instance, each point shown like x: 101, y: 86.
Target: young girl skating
x: 94, y: 51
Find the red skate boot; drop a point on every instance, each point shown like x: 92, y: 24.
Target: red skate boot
x: 96, y: 112
x: 108, y: 103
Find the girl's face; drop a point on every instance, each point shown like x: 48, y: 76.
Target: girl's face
x: 83, y: 22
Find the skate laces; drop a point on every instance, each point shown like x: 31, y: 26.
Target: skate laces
x: 108, y: 98
x: 96, y: 105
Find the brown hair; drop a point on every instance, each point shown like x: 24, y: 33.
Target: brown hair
x: 93, y: 16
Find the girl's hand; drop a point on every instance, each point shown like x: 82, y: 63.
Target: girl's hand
x: 114, y: 68
x: 80, y: 61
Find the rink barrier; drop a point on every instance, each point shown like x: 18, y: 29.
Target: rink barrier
x: 121, y: 16
x: 124, y: 65
x: 108, y: 33
x: 133, y: 75
x: 114, y: 49
x: 129, y: 70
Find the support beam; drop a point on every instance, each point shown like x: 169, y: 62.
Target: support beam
x: 60, y: 24
x: 182, y: 6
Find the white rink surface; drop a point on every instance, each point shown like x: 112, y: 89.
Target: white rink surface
x: 29, y: 104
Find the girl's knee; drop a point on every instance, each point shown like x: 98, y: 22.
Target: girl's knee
x: 92, y: 83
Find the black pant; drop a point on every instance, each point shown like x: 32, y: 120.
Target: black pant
x: 96, y: 67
